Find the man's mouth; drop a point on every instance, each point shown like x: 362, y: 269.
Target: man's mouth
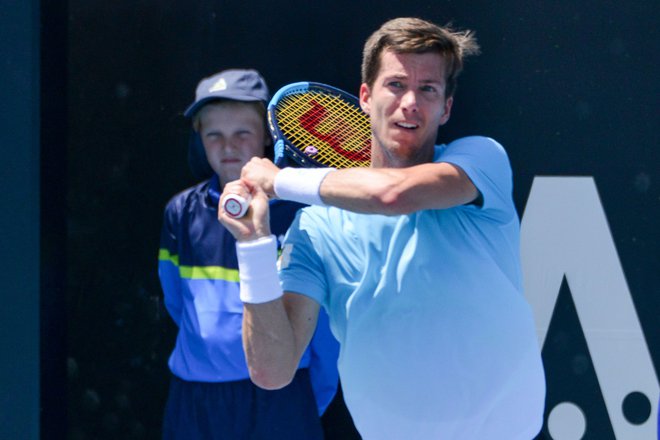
x: 406, y: 125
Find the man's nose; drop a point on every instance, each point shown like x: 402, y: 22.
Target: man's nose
x: 409, y: 101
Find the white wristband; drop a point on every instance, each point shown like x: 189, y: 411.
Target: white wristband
x: 300, y: 184
x: 257, y: 270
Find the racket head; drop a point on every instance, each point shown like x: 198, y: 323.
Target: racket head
x: 317, y: 125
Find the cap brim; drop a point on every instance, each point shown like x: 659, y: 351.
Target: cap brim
x: 195, y: 106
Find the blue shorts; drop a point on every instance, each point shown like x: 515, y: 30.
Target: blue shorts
x: 241, y: 410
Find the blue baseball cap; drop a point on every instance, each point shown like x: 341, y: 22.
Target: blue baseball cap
x: 234, y: 84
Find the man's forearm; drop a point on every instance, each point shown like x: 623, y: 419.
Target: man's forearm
x: 269, y: 343
x: 275, y: 336
x: 391, y: 191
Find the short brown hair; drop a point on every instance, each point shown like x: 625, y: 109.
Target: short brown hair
x: 414, y: 35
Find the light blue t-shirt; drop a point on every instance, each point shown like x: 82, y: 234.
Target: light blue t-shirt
x: 437, y: 339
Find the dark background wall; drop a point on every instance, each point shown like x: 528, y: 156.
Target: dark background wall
x: 568, y: 88
x: 19, y: 221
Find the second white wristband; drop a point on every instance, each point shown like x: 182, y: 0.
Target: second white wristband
x: 301, y: 185
x: 257, y: 270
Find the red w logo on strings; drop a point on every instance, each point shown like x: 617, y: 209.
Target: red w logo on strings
x: 340, y: 134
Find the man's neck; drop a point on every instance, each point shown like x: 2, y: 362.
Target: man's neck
x: 383, y: 158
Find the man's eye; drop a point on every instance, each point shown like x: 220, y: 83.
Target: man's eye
x: 396, y: 84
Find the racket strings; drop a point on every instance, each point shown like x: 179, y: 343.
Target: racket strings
x: 327, y: 128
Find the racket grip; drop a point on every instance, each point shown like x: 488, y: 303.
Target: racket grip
x: 235, y: 206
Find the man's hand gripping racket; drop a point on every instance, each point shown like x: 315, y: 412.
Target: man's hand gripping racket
x: 313, y: 125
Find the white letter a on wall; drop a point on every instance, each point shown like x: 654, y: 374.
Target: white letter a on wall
x: 564, y: 232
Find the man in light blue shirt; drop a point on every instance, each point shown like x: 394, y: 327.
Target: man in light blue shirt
x: 416, y: 260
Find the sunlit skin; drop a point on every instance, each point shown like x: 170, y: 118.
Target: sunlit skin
x: 232, y: 134
x: 407, y: 105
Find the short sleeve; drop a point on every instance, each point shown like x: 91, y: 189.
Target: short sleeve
x: 301, y: 268
x: 487, y: 165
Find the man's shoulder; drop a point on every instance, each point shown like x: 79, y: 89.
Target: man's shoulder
x: 473, y: 149
x: 319, y: 219
x: 470, y: 142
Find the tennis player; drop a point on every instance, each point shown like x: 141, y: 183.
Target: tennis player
x: 416, y: 260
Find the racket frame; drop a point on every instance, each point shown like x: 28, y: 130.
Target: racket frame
x: 284, y: 150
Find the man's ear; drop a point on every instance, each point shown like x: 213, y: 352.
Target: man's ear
x: 365, y: 97
x: 447, y: 110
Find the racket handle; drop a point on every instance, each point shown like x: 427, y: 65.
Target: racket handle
x: 235, y: 206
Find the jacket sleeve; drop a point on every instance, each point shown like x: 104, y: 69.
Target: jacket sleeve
x: 323, y: 364
x: 168, y: 265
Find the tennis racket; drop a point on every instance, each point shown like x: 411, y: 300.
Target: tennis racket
x: 314, y: 125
